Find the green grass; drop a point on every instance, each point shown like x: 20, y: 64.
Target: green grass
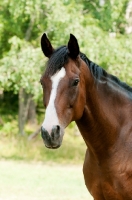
x: 30, y: 171
x: 13, y: 146
x: 39, y: 181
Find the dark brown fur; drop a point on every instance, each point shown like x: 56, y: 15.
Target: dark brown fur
x: 102, y: 110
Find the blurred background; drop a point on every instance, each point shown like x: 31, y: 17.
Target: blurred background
x: 104, y: 31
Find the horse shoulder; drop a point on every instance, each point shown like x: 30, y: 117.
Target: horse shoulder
x: 109, y: 181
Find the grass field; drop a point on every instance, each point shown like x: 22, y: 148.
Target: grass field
x: 15, y: 147
x: 37, y: 181
x: 28, y: 170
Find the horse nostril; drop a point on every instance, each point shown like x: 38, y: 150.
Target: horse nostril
x: 58, y: 128
x: 55, y: 133
x: 44, y: 134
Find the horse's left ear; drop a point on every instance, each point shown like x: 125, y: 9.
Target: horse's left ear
x: 73, y: 47
x: 46, y: 46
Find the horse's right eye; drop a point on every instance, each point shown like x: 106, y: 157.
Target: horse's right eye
x: 75, y: 82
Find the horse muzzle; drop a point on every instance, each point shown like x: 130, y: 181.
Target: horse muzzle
x: 52, y: 140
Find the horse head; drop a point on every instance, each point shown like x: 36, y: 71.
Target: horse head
x: 63, y: 89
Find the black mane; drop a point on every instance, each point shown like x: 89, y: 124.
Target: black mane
x: 99, y: 73
x: 60, y: 57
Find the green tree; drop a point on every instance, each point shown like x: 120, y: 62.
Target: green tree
x: 22, y: 61
x: 110, y: 15
x: 23, y: 22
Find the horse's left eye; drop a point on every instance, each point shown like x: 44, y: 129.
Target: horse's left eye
x: 75, y: 82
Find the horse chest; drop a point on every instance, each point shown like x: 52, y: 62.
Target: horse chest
x: 107, y: 184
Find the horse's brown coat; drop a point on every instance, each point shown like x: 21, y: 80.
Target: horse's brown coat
x: 103, y: 113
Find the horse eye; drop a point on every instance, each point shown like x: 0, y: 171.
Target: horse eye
x: 75, y: 83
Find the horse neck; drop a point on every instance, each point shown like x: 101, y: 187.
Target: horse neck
x: 101, y: 119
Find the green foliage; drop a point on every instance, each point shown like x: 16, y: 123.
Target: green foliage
x: 100, y: 30
x: 21, y: 67
x: 22, y: 23
x: 110, y: 15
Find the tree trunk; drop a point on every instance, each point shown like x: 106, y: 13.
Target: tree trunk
x: 24, y: 102
x: 32, y: 113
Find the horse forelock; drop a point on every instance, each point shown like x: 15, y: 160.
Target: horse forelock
x: 57, y: 60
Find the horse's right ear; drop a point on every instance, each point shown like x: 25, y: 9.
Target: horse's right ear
x: 46, y: 46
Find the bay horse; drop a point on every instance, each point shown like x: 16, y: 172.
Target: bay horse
x: 77, y: 89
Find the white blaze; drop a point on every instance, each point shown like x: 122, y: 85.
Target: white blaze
x: 51, y: 117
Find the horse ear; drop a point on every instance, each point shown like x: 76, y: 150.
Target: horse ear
x: 46, y: 46
x: 73, y: 47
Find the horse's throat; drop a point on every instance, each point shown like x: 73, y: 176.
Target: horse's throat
x: 97, y: 132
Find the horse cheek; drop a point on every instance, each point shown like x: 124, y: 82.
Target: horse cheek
x: 79, y: 106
